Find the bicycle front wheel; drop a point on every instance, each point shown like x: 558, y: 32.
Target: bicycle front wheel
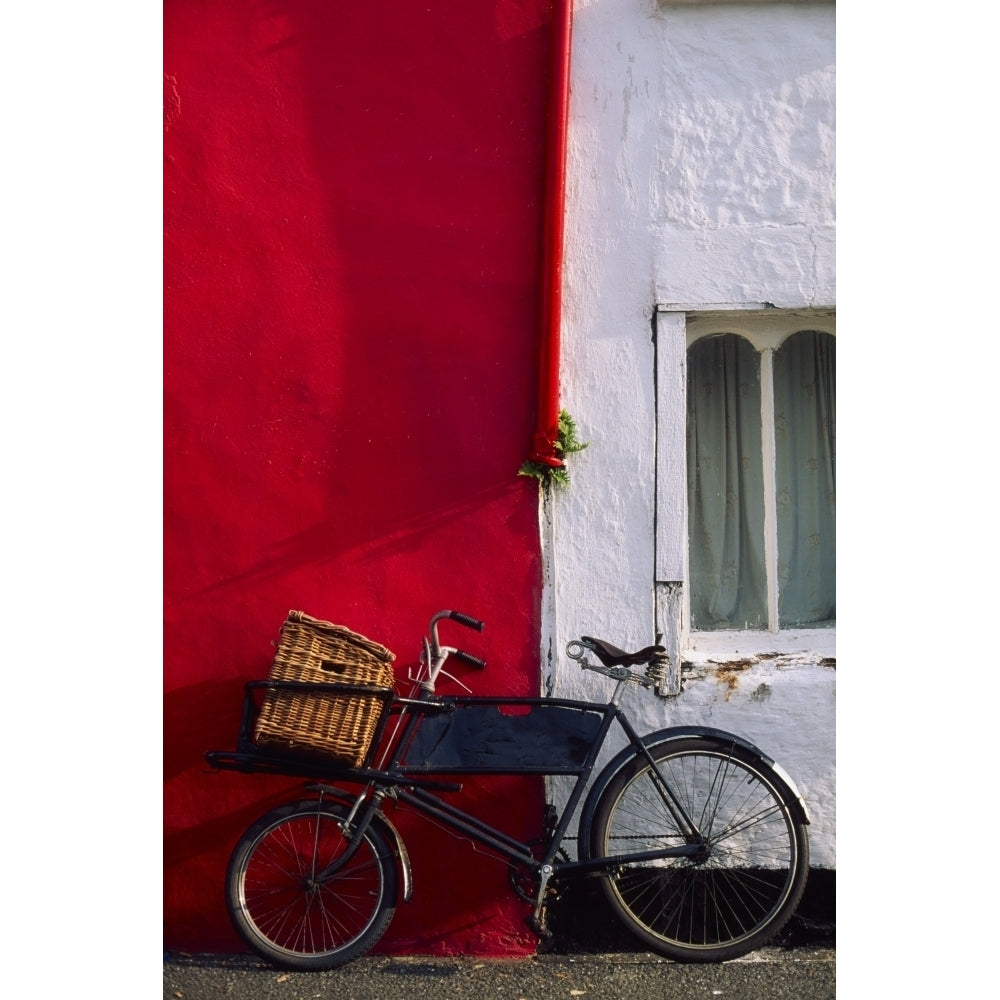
x: 742, y: 890
x: 291, y: 902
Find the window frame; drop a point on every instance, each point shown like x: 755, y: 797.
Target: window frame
x: 766, y: 330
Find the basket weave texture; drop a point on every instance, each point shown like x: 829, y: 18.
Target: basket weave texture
x: 339, y: 726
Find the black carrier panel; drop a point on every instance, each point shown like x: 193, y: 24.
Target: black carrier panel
x: 503, y: 737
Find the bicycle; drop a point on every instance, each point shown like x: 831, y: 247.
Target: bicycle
x: 698, y: 838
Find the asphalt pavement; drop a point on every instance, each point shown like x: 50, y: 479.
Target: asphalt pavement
x: 587, y: 957
x: 807, y: 973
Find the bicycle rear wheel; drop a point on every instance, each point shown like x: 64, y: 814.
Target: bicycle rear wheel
x: 285, y: 912
x: 743, y: 891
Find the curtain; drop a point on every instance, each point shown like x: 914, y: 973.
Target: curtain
x: 725, y: 485
x: 805, y: 473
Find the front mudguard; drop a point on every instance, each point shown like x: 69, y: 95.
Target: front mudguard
x: 384, y: 824
x: 659, y: 737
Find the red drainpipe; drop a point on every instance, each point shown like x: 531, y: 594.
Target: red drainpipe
x: 547, y: 420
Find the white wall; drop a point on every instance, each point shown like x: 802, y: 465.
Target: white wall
x: 700, y: 176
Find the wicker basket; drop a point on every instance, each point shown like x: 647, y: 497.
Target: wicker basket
x: 339, y: 726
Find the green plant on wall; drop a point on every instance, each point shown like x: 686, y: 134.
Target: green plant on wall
x: 566, y: 444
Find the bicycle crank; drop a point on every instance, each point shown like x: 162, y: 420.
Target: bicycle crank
x: 526, y: 884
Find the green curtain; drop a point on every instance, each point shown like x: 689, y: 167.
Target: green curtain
x: 725, y: 485
x: 805, y: 419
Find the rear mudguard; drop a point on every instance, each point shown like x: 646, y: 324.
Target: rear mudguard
x: 384, y: 824
x: 666, y: 736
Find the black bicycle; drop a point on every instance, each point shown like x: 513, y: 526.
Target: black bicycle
x: 698, y: 838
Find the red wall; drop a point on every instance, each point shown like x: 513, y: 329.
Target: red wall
x: 353, y: 199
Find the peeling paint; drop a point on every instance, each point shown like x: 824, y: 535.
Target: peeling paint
x: 741, y: 664
x: 728, y: 674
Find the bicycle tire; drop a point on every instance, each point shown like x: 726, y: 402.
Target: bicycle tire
x: 717, y: 907
x: 292, y: 921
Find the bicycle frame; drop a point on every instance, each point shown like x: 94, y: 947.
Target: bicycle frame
x: 404, y: 784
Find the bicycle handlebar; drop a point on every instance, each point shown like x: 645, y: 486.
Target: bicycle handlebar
x: 466, y: 620
x: 436, y: 654
x: 469, y: 659
x: 469, y: 622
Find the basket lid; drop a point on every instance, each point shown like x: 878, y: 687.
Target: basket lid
x: 340, y: 632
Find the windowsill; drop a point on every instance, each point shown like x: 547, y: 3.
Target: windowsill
x: 803, y: 645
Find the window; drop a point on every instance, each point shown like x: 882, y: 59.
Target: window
x: 761, y: 473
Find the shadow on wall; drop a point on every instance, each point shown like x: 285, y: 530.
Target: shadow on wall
x: 377, y: 532
x: 197, y: 718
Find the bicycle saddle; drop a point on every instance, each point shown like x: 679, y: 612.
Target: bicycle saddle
x: 612, y: 656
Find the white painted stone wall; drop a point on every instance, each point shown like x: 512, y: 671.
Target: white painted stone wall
x: 700, y: 176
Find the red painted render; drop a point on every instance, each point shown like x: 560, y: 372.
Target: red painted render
x: 352, y: 239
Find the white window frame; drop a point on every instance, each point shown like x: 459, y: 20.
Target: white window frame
x: 766, y: 330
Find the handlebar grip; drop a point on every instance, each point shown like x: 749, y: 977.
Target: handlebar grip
x: 457, y: 616
x: 472, y: 661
